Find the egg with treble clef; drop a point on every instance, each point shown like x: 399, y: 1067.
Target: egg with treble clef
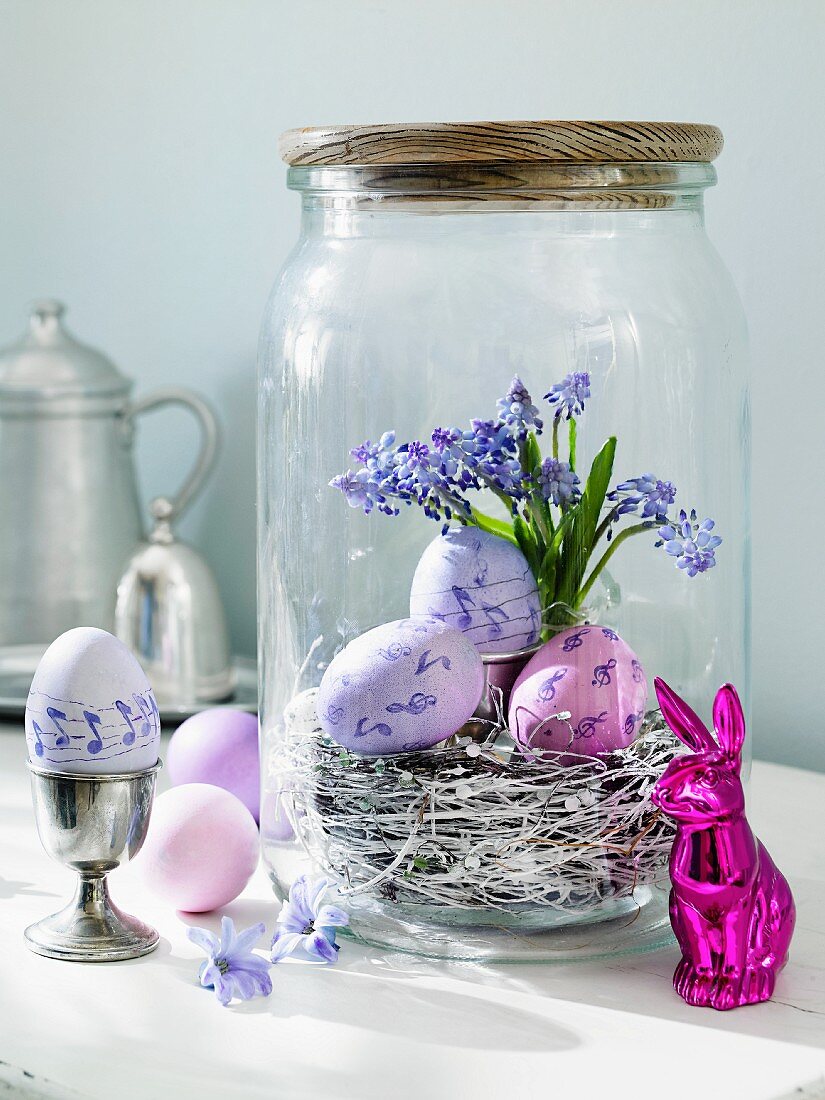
x: 90, y: 709
x: 401, y: 687
x: 590, y: 672
x: 482, y: 585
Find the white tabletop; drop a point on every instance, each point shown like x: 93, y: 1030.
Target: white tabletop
x: 383, y: 1025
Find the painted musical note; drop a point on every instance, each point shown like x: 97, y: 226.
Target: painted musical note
x: 464, y: 600
x: 611, y: 635
x: 335, y: 714
x: 547, y: 691
x: 424, y: 663
x: 57, y: 716
x: 574, y: 640
x: 491, y: 612
x: 630, y: 723
x: 638, y: 672
x: 601, y: 673
x: 394, y: 651
x: 417, y: 705
x: 38, y: 739
x: 149, y: 711
x: 587, y: 725
x: 93, y: 721
x: 126, y: 715
x: 361, y: 730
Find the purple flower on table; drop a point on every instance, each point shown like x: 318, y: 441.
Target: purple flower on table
x: 570, y: 394
x: 647, y: 492
x: 517, y: 411
x: 232, y: 969
x: 306, y: 924
x: 557, y: 482
x: 690, y: 543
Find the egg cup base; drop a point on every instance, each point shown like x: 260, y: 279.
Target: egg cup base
x: 91, y: 928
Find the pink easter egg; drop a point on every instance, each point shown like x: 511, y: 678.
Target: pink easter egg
x: 590, y: 672
x: 218, y: 746
x: 201, y: 849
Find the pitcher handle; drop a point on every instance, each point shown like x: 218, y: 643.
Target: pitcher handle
x: 172, y: 395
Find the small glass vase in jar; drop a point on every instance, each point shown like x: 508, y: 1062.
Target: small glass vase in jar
x: 503, y: 466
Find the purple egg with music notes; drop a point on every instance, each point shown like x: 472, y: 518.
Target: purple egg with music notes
x: 481, y: 585
x: 590, y: 672
x: 402, y: 687
x: 91, y: 710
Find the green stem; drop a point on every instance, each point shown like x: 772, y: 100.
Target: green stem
x: 584, y: 591
x: 538, y: 519
x: 556, y: 419
x: 604, y: 525
x: 572, y: 443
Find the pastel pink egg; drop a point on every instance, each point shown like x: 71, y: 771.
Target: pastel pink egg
x: 590, y: 672
x: 218, y: 746
x: 201, y: 849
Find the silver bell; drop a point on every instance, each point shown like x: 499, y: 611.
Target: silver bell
x: 169, y: 613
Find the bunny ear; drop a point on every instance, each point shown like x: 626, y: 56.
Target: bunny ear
x: 729, y: 722
x: 685, y: 723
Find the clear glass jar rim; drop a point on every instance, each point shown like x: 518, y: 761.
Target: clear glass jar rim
x: 528, y: 181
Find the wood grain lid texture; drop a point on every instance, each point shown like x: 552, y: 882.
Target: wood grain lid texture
x: 501, y: 142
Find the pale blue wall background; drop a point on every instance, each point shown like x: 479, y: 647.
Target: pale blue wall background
x: 140, y: 182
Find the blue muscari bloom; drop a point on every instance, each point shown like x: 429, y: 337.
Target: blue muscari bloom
x: 376, y: 456
x: 505, y: 475
x: 557, y: 482
x: 488, y: 439
x: 306, y: 924
x: 690, y: 543
x: 232, y: 969
x: 570, y: 394
x: 363, y: 489
x: 653, y: 495
x: 517, y: 411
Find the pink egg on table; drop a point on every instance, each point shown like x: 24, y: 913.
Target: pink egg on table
x: 590, y: 672
x: 201, y: 849
x: 218, y: 746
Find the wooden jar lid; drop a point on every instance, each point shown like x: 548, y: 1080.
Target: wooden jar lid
x: 502, y: 142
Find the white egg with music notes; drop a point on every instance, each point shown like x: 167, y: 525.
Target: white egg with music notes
x: 91, y: 710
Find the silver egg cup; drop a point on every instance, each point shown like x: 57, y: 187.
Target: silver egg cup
x: 92, y: 823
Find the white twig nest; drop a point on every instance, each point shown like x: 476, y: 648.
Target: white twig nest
x: 478, y: 826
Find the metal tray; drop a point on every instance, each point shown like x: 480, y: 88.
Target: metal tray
x: 17, y: 665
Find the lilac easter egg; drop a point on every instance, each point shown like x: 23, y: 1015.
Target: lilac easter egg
x: 90, y: 709
x: 481, y: 585
x: 590, y: 672
x: 401, y: 687
x: 201, y: 849
x: 218, y: 746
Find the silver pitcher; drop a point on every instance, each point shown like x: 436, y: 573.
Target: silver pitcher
x: 69, y: 509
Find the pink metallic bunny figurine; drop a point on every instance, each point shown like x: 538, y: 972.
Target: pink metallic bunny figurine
x: 731, y: 909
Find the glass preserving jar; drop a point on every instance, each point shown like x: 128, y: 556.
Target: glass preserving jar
x: 434, y: 265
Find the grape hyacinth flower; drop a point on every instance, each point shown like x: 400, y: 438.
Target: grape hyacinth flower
x: 362, y: 490
x: 517, y: 411
x: 690, y: 543
x: 570, y: 394
x: 651, y: 493
x: 232, y: 969
x: 306, y: 924
x: 377, y: 457
x: 556, y: 482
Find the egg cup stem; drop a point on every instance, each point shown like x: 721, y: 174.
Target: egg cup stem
x: 92, y: 824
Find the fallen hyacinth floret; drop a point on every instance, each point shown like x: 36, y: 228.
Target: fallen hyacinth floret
x: 306, y: 924
x: 232, y: 968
